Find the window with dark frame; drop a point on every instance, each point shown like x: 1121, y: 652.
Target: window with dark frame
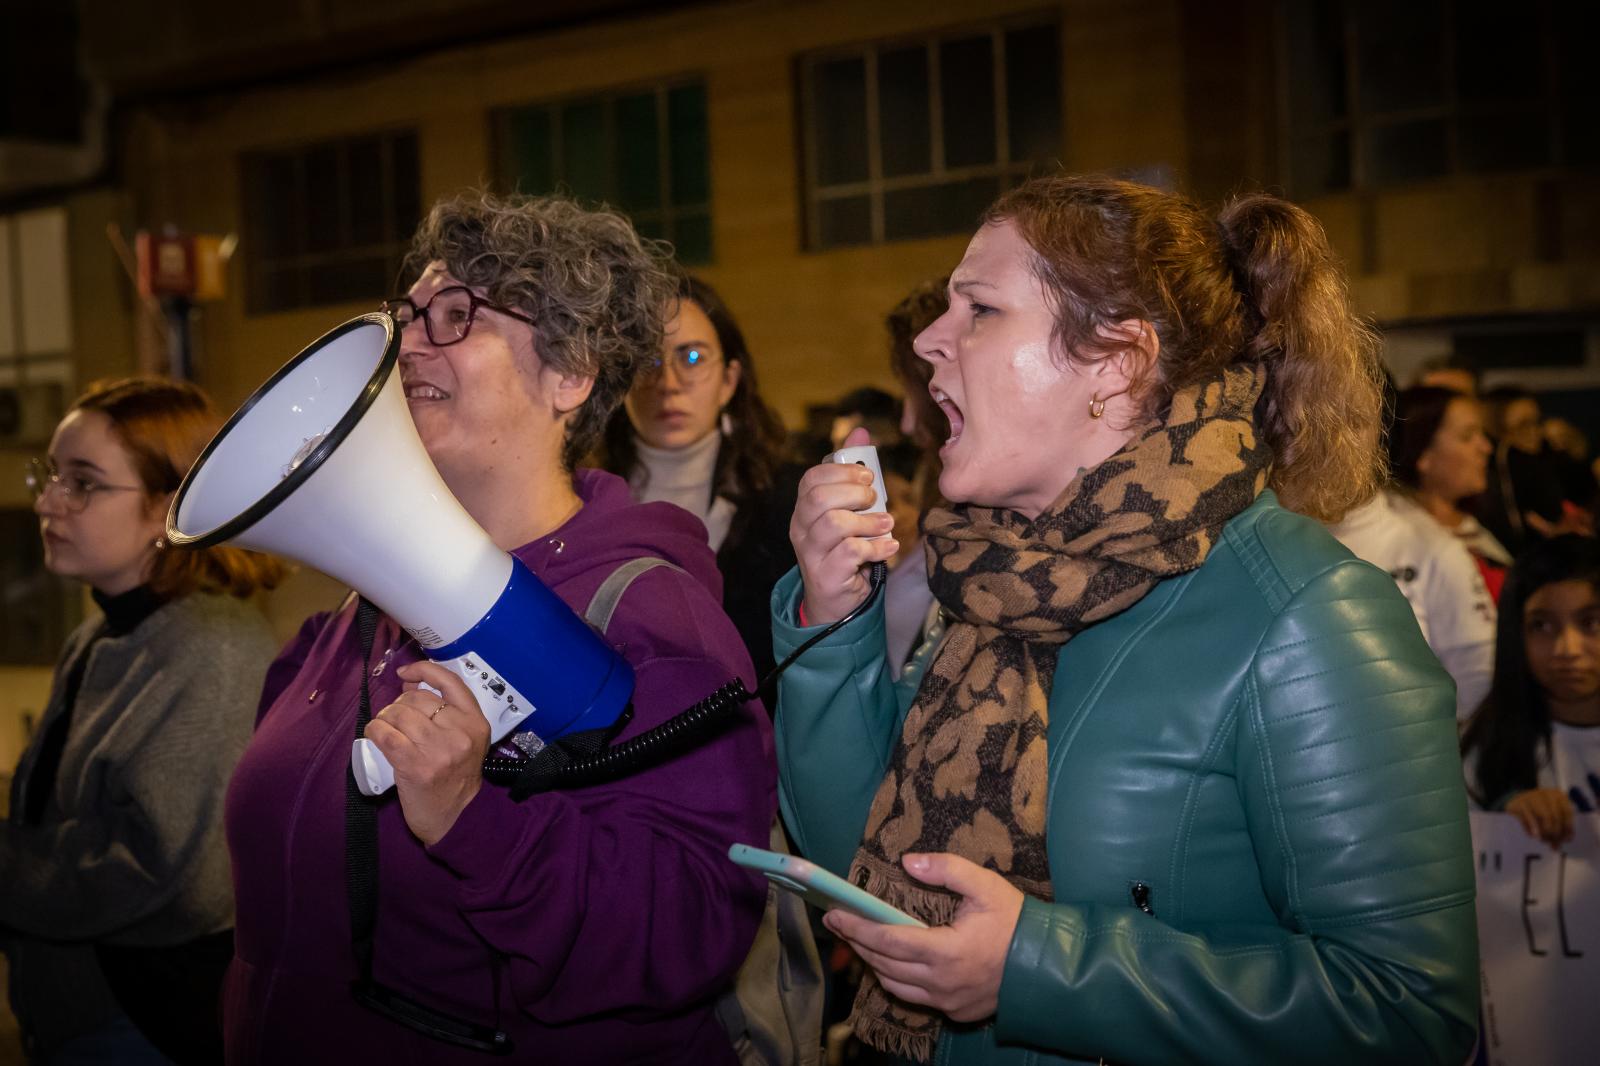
x: 1380, y: 94
x: 914, y: 138
x: 329, y: 223
x: 644, y: 151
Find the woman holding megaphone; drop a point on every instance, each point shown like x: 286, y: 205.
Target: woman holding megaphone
x: 596, y: 924
x: 115, y: 905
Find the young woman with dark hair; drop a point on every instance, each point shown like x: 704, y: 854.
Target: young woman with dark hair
x: 116, y: 909
x: 695, y: 432
x: 1181, y: 783
x: 1533, y: 748
x: 1397, y: 532
x: 1439, y: 456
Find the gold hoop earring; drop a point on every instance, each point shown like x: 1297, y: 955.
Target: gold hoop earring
x: 1097, y: 407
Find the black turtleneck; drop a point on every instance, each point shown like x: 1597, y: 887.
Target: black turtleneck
x: 123, y: 612
x: 126, y: 610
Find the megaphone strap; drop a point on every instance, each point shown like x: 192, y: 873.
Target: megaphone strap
x: 361, y: 816
x: 361, y: 889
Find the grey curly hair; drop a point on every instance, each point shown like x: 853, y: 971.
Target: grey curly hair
x: 597, y: 292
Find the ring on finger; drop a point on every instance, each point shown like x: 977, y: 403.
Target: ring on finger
x: 435, y: 712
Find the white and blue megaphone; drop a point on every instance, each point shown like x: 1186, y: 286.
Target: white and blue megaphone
x: 323, y: 465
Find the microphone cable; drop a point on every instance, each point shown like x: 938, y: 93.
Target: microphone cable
x: 586, y: 759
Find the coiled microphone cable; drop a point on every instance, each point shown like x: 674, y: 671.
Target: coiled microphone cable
x: 586, y: 759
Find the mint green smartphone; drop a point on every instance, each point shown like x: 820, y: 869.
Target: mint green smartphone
x: 818, y: 887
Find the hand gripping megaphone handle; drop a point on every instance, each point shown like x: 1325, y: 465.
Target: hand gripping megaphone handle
x: 500, y: 703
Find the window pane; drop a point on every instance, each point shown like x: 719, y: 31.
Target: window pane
x: 583, y: 150
x: 1577, y: 27
x: 937, y: 209
x: 1317, y: 57
x: 845, y: 221
x: 1401, y: 55
x: 366, y: 191
x: 272, y: 185
x: 839, y: 120
x: 1499, y: 55
x: 280, y: 289
x: 690, y: 146
x: 1406, y: 151
x: 1321, y: 163
x: 691, y: 237
x: 531, y: 155
x: 966, y: 79
x: 335, y: 241
x: 638, y: 153
x: 327, y: 194
x: 406, y: 182
x: 1033, y: 94
x: 350, y: 280
x: 1504, y: 142
x: 651, y: 226
x: 903, y: 121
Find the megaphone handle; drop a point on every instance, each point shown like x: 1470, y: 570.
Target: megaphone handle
x: 374, y: 776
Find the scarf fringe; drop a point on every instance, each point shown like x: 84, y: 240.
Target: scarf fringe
x: 878, y: 1018
x: 936, y: 906
x: 881, y: 1034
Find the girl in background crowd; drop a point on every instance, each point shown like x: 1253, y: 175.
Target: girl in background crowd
x: 1439, y: 453
x: 115, y: 902
x: 1433, y: 569
x: 1533, y: 748
x: 694, y: 431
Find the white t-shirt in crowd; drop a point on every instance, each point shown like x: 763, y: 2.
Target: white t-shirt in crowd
x: 1441, y: 581
x: 1573, y: 764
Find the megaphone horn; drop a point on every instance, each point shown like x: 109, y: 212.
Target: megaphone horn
x: 322, y: 464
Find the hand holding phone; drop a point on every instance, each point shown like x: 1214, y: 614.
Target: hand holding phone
x: 818, y: 887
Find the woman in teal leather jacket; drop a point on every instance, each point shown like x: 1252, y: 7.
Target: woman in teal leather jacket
x: 1179, y: 784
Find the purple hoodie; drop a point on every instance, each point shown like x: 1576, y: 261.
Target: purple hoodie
x: 598, y: 925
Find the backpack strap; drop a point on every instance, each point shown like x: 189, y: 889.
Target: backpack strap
x: 773, y: 1012
x: 604, y: 602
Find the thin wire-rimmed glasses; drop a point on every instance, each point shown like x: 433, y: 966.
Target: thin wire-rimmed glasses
x: 690, y: 363
x: 448, y: 316
x: 75, y: 490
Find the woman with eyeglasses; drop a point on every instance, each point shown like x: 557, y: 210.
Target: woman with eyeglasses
x: 590, y: 924
x: 695, y: 432
x: 115, y: 903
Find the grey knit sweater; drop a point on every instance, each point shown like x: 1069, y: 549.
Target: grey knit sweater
x: 130, y: 849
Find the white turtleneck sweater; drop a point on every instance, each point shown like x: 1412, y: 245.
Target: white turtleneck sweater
x: 683, y: 476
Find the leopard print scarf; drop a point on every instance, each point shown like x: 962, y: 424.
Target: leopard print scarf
x: 969, y: 775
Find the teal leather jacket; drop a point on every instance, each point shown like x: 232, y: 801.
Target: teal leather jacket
x: 1267, y: 745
